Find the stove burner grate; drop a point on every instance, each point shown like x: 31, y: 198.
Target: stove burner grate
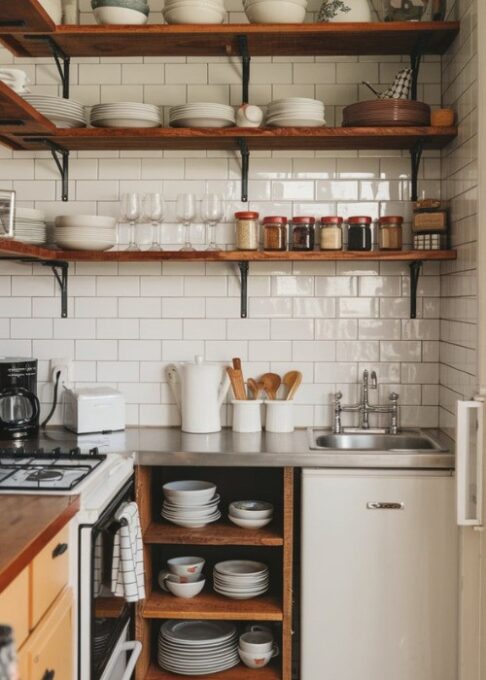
x: 44, y: 475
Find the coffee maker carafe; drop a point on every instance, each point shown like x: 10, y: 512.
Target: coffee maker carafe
x: 19, y: 405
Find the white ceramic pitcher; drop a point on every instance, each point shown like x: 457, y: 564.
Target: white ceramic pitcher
x: 199, y: 389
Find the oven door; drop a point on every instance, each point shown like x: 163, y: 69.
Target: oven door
x: 105, y: 621
x: 124, y: 658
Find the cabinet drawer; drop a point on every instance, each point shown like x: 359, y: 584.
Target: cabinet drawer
x: 49, y: 575
x: 14, y: 606
x: 50, y: 647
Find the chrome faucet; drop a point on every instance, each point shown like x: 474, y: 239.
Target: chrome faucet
x: 364, y: 408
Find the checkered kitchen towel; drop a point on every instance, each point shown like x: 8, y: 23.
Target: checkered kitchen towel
x: 127, y: 571
x: 401, y: 86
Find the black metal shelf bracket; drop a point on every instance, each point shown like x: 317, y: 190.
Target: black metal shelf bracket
x: 245, y: 167
x: 61, y: 158
x: 245, y: 60
x: 416, y: 60
x: 244, y: 268
x: 415, y: 269
x: 63, y: 62
x: 60, y: 269
x: 416, y: 157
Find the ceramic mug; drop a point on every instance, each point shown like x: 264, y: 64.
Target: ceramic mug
x: 186, y: 566
x: 249, y: 115
x: 164, y: 575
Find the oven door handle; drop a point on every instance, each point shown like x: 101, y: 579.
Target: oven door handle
x: 133, y: 646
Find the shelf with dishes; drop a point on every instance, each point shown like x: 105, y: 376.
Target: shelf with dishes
x: 209, y: 605
x: 219, y: 533
x: 270, y: 672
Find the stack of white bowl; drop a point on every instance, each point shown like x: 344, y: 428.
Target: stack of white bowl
x: 202, y: 115
x: 184, y: 577
x: 250, y: 514
x: 30, y: 226
x: 126, y: 115
x: 295, y: 112
x: 275, y: 11
x: 85, y: 232
x: 64, y: 113
x: 194, y: 11
x: 120, y: 11
x: 190, y: 503
x: 241, y: 579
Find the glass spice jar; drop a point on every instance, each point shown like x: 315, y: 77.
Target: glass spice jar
x: 359, y: 233
x: 302, y: 233
x: 331, y: 235
x: 275, y: 233
x: 390, y: 232
x: 247, y: 230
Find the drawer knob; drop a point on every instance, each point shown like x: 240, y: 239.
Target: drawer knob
x: 60, y: 549
x: 49, y: 675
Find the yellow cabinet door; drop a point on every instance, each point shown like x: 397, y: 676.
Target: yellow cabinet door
x: 49, y: 575
x: 14, y: 606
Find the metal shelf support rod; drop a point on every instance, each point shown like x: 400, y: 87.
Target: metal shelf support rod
x: 60, y: 269
x: 416, y: 60
x: 244, y: 268
x: 416, y: 157
x: 245, y: 60
x: 415, y: 269
x: 245, y: 166
x: 63, y: 62
x: 61, y: 158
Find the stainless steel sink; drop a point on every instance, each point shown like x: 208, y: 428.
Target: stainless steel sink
x: 405, y: 440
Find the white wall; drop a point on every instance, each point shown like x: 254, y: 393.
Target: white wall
x: 126, y: 322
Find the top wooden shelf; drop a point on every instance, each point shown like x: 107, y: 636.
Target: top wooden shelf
x: 26, y: 15
x: 222, y: 40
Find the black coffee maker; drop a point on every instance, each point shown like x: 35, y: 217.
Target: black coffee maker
x: 19, y: 405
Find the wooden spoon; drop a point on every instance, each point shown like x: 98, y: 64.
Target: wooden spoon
x: 237, y: 383
x: 292, y: 381
x: 256, y: 387
x: 271, y: 382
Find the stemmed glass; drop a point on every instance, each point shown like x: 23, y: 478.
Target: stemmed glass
x: 153, y: 210
x: 212, y: 213
x: 130, y: 210
x: 185, y: 213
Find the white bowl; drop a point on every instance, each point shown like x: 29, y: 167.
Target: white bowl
x: 251, y: 509
x: 82, y: 221
x: 84, y: 245
x: 189, y: 492
x: 119, y: 15
x: 186, y: 566
x: 275, y: 12
x: 165, y: 574
x: 125, y: 123
x: 250, y: 523
x: 257, y: 641
x: 259, y: 660
x: 184, y: 590
x: 194, y: 15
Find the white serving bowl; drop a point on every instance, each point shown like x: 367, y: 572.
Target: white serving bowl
x: 194, y: 14
x: 249, y: 523
x: 82, y: 221
x: 184, y: 590
x: 186, y: 566
x: 119, y: 15
x: 275, y: 12
x: 189, y: 492
x: 251, y: 509
x: 125, y: 123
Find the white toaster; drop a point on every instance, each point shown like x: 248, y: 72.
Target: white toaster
x: 93, y: 409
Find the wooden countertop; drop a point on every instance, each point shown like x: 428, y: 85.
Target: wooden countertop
x: 29, y: 523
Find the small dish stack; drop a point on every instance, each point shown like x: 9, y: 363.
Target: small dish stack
x: 241, y: 579
x: 120, y: 11
x: 194, y: 11
x: 85, y: 232
x: 30, y: 226
x: 126, y: 115
x: 386, y: 112
x: 64, y: 113
x: 202, y: 115
x: 191, y: 504
x: 275, y: 11
x: 295, y: 112
x: 250, y: 514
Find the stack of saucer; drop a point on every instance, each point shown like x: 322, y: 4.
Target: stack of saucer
x: 64, y: 113
x: 126, y: 115
x: 296, y: 112
x: 190, y: 503
x: 241, y: 579
x: 30, y: 226
x: 202, y: 115
x: 250, y: 514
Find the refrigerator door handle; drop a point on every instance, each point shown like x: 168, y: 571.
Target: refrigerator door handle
x: 469, y: 480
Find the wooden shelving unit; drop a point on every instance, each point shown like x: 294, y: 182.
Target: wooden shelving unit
x: 210, y: 605
x: 271, y: 672
x: 219, y: 533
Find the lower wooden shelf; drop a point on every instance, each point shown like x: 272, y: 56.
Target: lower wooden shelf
x: 219, y: 533
x: 240, y: 672
x: 210, y: 605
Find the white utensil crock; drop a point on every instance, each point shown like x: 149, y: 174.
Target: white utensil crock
x: 247, y: 415
x: 280, y: 416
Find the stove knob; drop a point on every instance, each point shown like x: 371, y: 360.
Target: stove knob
x: 94, y: 452
x: 75, y: 452
x: 56, y: 451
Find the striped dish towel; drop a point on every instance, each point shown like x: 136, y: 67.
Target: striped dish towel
x: 127, y: 571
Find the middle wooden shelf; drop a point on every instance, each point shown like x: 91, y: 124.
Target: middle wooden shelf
x: 219, y: 533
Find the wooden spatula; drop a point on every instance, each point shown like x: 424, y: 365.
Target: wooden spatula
x: 292, y: 381
x: 236, y: 378
x: 271, y: 382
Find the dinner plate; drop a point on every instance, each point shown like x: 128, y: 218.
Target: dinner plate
x: 241, y: 567
x: 198, y: 632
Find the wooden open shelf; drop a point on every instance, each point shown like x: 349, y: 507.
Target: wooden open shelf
x: 19, y: 117
x: 219, y: 533
x: 221, y: 40
x: 211, y: 606
x: 24, y: 15
x: 270, y: 672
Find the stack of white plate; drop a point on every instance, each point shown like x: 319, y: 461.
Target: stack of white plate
x: 126, y: 115
x: 194, y: 11
x: 64, y: 113
x: 30, y: 226
x: 296, y: 112
x: 275, y: 11
x: 202, y: 115
x: 241, y: 579
x: 197, y: 647
x: 190, y: 503
x: 85, y: 232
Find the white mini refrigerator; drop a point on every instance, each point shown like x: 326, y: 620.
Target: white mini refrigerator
x: 379, y: 575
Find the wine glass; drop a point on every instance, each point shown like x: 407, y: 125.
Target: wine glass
x: 130, y: 209
x: 212, y: 213
x: 185, y: 213
x: 153, y: 211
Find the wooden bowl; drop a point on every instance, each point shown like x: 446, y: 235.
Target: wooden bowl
x: 387, y: 113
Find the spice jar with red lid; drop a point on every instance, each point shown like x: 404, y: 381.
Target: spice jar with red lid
x: 302, y: 233
x: 390, y: 234
x: 275, y: 233
x: 331, y: 236
x: 247, y: 230
x: 359, y: 233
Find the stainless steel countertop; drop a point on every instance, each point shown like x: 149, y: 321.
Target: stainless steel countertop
x: 171, y: 447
